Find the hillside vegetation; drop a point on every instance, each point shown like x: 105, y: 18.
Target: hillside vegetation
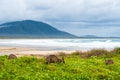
x: 30, y: 28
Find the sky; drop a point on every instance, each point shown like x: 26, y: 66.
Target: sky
x: 79, y: 17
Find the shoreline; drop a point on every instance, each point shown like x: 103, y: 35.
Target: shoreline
x: 61, y: 44
x: 28, y: 51
x: 24, y: 51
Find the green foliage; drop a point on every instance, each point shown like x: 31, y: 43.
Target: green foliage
x: 76, y: 53
x: 75, y: 68
x: 117, y: 50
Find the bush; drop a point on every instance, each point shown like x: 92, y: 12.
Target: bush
x: 116, y: 50
x: 75, y: 68
x: 95, y: 52
x: 76, y: 53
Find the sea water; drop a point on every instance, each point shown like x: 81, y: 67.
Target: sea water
x: 63, y: 44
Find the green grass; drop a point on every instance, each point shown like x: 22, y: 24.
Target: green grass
x: 75, y: 67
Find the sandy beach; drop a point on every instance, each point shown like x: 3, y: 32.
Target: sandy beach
x: 44, y: 47
x: 20, y: 51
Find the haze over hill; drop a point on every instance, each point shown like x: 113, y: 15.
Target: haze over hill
x: 30, y: 28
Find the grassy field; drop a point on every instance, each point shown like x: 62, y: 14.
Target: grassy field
x: 78, y: 66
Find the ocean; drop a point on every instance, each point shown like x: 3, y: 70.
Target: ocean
x: 63, y: 44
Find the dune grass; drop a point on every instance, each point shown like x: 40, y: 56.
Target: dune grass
x: 78, y: 66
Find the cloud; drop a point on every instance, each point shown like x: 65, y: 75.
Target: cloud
x: 40, y: 4
x: 80, y: 29
x: 84, y: 10
x: 80, y: 14
x: 11, y: 9
x: 61, y: 10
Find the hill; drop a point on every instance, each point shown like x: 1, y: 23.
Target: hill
x: 30, y: 28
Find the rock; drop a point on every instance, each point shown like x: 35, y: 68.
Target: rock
x: 12, y: 56
x: 54, y: 59
x: 107, y: 62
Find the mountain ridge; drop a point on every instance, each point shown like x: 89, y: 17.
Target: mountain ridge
x: 27, y: 28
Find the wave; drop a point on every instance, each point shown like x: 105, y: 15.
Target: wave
x: 63, y: 43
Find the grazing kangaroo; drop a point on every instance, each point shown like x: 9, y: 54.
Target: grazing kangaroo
x: 12, y: 56
x: 54, y: 59
x: 109, y: 62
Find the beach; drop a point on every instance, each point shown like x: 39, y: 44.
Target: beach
x: 44, y: 47
x: 20, y: 51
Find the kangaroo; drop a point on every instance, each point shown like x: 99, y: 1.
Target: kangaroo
x: 107, y: 62
x: 12, y: 56
x: 54, y: 59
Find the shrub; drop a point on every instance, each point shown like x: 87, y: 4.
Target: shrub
x: 75, y: 68
x: 76, y: 53
x: 95, y: 52
x: 116, y: 50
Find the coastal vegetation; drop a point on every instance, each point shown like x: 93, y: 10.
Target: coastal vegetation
x: 97, y: 64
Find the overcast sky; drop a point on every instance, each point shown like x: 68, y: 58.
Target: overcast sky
x: 79, y: 17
